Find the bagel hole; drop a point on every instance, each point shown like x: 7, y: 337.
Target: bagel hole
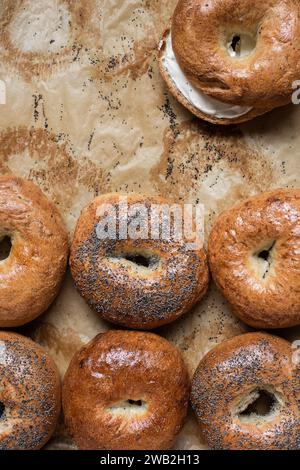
x: 260, y: 403
x: 135, y: 402
x: 264, y: 254
x: 241, y: 45
x: 139, y: 260
x: 235, y: 43
x: 2, y: 410
x: 265, y: 258
x: 129, y: 406
x: 5, y: 248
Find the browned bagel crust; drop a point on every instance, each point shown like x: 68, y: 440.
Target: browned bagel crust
x: 256, y: 111
x: 30, y: 392
x: 116, y: 367
x: 228, y: 374
x: 268, y: 298
x: 31, y: 276
x: 199, y: 29
x: 262, y: 80
x: 123, y: 295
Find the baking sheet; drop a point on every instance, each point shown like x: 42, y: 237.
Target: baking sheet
x: 87, y: 113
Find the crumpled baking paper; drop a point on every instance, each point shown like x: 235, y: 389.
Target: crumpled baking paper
x: 87, y: 113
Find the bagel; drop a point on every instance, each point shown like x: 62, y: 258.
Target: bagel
x: 29, y: 394
x: 254, y: 256
x: 34, y: 265
x: 137, y: 283
x: 228, y: 61
x: 126, y: 390
x: 245, y: 393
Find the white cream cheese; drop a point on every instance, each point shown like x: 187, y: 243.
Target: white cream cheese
x: 204, y: 103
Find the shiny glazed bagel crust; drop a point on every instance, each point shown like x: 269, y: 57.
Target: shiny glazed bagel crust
x: 127, y: 294
x: 201, y: 30
x: 126, y: 391
x: 259, y: 77
x: 228, y: 380
x: 31, y: 276
x: 254, y: 256
x: 254, y: 112
x: 29, y: 394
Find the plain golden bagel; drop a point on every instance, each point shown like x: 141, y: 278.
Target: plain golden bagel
x: 30, y: 394
x: 230, y: 60
x: 126, y: 390
x: 245, y: 393
x: 138, y: 283
x: 254, y: 256
x: 33, y: 267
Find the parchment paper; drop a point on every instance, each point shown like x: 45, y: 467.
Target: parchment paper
x: 87, y: 113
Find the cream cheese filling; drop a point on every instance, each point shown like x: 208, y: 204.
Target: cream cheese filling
x: 198, y: 99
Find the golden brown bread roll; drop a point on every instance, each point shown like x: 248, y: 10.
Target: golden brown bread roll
x: 29, y: 394
x: 126, y: 390
x: 245, y: 393
x: 136, y: 283
x: 31, y: 275
x: 254, y: 256
x: 228, y: 61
